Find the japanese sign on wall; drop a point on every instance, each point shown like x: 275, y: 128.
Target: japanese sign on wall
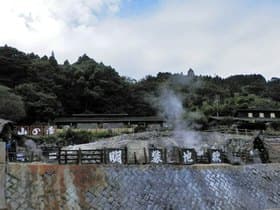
x: 216, y: 156
x: 188, y: 156
x: 115, y: 156
x: 35, y: 130
x: 157, y: 156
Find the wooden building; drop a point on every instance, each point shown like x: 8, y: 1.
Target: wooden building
x: 91, y: 121
x: 267, y: 115
x: 256, y: 119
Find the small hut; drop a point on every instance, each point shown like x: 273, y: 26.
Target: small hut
x: 6, y: 129
x: 6, y: 135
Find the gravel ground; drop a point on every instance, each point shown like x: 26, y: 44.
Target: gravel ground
x: 188, y: 139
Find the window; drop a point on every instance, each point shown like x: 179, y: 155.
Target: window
x: 250, y: 114
x: 272, y: 115
x: 261, y: 115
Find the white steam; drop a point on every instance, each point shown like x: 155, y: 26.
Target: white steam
x: 182, y: 121
x: 33, y: 149
x: 171, y: 107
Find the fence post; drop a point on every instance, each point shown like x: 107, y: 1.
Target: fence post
x: 104, y: 155
x: 125, y: 157
x: 179, y: 152
x: 145, y: 156
x: 65, y: 157
x: 135, y: 158
x: 59, y: 155
x: 79, y: 156
x: 101, y: 156
x: 6, y: 154
x: 165, y: 155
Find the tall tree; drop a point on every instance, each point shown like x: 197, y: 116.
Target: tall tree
x: 11, y: 105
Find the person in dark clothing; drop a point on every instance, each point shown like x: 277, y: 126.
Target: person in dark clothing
x: 259, y: 145
x: 11, y: 149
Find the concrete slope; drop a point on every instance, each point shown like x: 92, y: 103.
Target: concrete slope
x: 35, y: 186
x: 2, y: 188
x: 2, y: 175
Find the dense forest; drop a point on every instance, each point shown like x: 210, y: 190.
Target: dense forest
x: 38, y: 89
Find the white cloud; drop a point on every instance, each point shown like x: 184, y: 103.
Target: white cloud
x: 213, y: 37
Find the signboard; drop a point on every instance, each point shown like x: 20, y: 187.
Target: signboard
x: 35, y: 130
x: 216, y: 156
x: 22, y: 130
x: 188, y: 156
x: 157, y: 156
x: 115, y: 156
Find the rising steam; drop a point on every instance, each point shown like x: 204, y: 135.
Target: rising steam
x: 170, y: 106
x: 33, y: 149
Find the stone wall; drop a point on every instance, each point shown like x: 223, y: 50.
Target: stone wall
x: 2, y: 175
x: 2, y: 184
x: 45, y: 186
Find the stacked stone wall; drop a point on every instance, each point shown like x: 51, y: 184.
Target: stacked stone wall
x: 2, y: 175
x: 220, y: 186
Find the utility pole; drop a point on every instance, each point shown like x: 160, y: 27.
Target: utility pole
x: 217, y: 104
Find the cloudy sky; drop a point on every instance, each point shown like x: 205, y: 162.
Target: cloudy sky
x: 141, y: 37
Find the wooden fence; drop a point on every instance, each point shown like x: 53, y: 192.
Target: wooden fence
x: 185, y: 156
x: 80, y: 156
x: 245, y: 132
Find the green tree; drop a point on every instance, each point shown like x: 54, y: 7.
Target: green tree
x: 11, y: 105
x: 13, y: 66
x: 40, y: 105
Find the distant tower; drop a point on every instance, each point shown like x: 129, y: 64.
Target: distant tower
x: 191, y: 73
x: 52, y: 59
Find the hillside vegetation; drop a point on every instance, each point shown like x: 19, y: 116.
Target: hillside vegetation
x: 34, y: 88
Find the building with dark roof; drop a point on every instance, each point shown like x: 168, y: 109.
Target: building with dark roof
x: 88, y: 121
x: 251, y: 118
x: 6, y: 129
x: 267, y: 115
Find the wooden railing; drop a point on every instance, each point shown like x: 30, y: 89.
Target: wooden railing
x: 80, y: 156
x: 246, y: 132
x: 185, y: 156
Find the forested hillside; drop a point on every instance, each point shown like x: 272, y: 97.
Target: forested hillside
x: 34, y: 88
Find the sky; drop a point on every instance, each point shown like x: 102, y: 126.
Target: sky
x: 144, y: 37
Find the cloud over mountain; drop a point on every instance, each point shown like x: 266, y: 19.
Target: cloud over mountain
x: 212, y: 37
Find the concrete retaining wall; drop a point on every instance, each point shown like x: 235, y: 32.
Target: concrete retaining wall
x: 2, y: 175
x: 2, y: 188
x: 43, y: 186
